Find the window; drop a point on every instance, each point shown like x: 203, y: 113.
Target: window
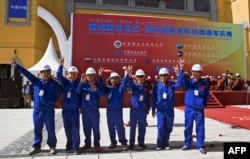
x: 175, y: 4
x: 201, y: 6
x: 178, y: 7
x: 147, y: 3
x: 116, y: 2
x: 85, y: 1
x: 17, y: 12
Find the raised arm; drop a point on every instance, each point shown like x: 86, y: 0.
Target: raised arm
x: 181, y: 75
x: 59, y: 72
x: 32, y: 78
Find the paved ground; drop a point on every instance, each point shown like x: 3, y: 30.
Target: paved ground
x: 16, y: 136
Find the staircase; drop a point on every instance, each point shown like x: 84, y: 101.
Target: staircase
x: 214, y: 102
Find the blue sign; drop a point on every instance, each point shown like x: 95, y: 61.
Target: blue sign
x: 17, y: 8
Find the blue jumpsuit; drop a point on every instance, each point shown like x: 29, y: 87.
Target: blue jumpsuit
x: 115, y: 113
x: 163, y: 99
x: 90, y: 110
x: 70, y: 110
x: 44, y: 107
x: 139, y: 108
x: 197, y: 96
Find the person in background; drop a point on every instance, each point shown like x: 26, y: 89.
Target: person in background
x: 149, y: 81
x: 226, y: 87
x: 220, y: 83
x: 70, y: 106
x: 28, y: 92
x: 115, y: 94
x: 196, y: 98
x: 90, y: 90
x: 163, y: 100
x: 237, y: 83
x: 46, y: 94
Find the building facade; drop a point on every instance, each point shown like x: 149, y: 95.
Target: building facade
x: 25, y: 35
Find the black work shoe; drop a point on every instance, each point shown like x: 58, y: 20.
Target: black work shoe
x: 85, y: 147
x: 143, y: 146
x: 112, y: 145
x: 202, y: 151
x: 131, y: 147
x: 98, y: 149
x: 52, y: 150
x: 34, y: 151
x: 68, y: 149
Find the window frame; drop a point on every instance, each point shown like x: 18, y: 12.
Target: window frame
x: 188, y: 11
x: 6, y: 15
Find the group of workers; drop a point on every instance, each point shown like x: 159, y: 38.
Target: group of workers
x: 228, y: 82
x: 82, y: 95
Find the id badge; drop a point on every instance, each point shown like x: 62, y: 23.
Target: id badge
x: 141, y: 97
x: 164, y: 95
x: 69, y: 94
x: 87, y: 97
x: 109, y: 96
x: 196, y: 93
x: 41, y: 92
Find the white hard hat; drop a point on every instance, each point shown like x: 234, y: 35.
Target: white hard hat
x: 73, y: 69
x: 140, y: 72
x: 237, y: 74
x: 114, y: 74
x: 45, y: 68
x: 196, y: 67
x: 90, y: 70
x: 163, y: 71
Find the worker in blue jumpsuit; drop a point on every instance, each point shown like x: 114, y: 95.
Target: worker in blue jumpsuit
x: 197, y: 96
x: 91, y: 90
x: 163, y: 100
x: 115, y: 93
x: 70, y: 106
x: 139, y: 108
x: 46, y: 94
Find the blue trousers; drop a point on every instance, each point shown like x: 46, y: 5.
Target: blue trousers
x: 71, y: 122
x: 192, y: 115
x: 137, y: 117
x: 91, y: 121
x: 165, y: 123
x: 115, y: 123
x: 41, y: 118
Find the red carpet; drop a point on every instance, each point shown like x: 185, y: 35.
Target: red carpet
x: 235, y: 116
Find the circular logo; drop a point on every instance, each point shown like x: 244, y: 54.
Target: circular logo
x: 117, y: 44
x: 179, y: 53
x: 179, y: 46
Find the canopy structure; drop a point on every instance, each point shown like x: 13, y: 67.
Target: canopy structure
x: 49, y: 58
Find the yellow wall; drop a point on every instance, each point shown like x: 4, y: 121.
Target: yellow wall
x: 30, y: 41
x: 15, y: 37
x: 239, y: 16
